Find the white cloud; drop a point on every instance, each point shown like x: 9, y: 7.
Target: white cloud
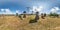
x: 17, y: 11
x: 6, y: 11
x: 35, y: 8
x: 55, y: 9
x: 2, y: 10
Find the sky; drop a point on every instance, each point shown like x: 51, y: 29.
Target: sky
x: 18, y: 6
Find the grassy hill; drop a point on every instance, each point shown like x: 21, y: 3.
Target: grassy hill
x: 15, y: 23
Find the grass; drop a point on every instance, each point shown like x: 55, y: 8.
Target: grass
x: 15, y: 23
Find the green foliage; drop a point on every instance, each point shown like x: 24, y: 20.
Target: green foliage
x: 20, y: 16
x: 32, y: 21
x: 53, y: 14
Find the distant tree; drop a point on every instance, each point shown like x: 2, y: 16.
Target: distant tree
x: 54, y: 15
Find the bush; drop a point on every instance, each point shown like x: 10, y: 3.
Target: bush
x: 54, y: 14
x: 32, y: 21
x: 20, y: 16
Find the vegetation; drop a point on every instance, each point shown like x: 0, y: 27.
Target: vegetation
x: 15, y: 23
x: 54, y: 14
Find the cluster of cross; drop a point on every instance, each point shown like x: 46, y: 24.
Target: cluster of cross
x: 36, y: 16
x: 43, y: 15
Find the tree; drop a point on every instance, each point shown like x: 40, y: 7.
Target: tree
x: 54, y: 15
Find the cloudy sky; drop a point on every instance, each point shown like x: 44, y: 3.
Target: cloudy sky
x: 18, y: 6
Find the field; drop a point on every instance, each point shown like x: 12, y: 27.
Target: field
x: 15, y: 23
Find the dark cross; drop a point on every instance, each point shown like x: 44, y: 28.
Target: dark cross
x: 16, y: 14
x: 37, y: 16
x: 42, y: 16
x: 24, y: 14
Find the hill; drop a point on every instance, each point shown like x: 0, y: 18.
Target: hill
x: 15, y: 23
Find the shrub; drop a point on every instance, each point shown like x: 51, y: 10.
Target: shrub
x: 20, y: 16
x: 53, y: 14
x: 33, y: 21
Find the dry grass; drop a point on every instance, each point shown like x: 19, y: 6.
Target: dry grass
x: 15, y: 23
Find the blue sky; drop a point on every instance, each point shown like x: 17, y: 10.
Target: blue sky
x: 11, y: 6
